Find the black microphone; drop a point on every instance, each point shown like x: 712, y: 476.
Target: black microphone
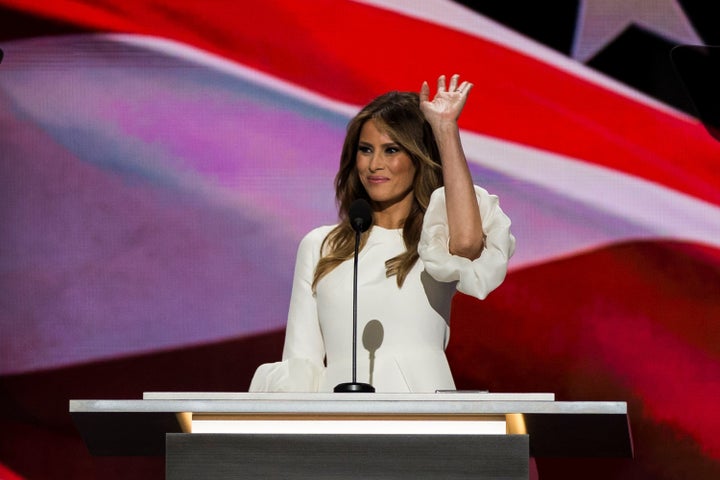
x: 360, y: 215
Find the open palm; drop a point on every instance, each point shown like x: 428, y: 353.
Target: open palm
x: 448, y: 101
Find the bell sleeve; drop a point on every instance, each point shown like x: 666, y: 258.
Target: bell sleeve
x: 303, y: 356
x: 477, y: 277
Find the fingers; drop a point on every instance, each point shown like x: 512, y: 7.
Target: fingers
x: 453, y: 82
x: 464, y: 87
x: 425, y: 92
x: 441, y: 83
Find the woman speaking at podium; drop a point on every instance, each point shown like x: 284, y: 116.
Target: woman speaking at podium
x: 433, y: 233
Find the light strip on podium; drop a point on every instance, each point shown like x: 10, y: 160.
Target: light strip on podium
x: 352, y: 427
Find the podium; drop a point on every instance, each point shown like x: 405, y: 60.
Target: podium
x: 452, y: 435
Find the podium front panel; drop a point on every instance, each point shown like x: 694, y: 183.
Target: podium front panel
x: 318, y: 457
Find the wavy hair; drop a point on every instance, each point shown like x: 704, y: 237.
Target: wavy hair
x: 398, y: 115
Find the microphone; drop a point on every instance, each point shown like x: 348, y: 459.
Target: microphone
x: 360, y: 215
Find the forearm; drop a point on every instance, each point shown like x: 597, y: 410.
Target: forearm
x: 464, y: 221
x: 466, y: 237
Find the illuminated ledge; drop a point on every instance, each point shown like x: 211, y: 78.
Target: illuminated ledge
x: 494, y: 426
x: 359, y: 414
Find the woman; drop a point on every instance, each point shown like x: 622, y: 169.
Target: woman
x: 433, y: 233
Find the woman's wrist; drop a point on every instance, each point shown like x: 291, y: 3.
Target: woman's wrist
x: 445, y: 127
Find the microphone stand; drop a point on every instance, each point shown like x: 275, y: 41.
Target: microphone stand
x: 355, y: 386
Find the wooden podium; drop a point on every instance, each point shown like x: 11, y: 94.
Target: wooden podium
x: 454, y: 435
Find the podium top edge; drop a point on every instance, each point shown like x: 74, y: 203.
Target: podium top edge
x: 347, y: 403
x: 443, y: 395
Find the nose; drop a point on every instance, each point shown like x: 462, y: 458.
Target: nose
x: 375, y: 163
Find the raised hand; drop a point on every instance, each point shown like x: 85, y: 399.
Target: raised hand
x: 466, y: 237
x: 448, y: 101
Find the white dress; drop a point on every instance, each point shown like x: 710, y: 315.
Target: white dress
x: 402, y: 332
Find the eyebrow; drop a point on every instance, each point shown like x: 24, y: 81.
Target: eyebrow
x: 388, y: 144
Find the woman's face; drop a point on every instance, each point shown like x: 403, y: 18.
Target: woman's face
x: 385, y: 170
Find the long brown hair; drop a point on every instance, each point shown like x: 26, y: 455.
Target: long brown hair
x: 398, y: 115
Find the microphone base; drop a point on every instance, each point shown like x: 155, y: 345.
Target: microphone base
x: 354, y: 387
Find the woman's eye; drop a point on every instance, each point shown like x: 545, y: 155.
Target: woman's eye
x: 392, y: 150
x: 364, y: 149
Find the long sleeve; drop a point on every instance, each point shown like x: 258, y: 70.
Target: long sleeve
x: 476, y: 277
x: 304, y: 350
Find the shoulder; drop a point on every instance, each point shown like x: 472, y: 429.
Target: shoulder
x: 312, y: 240
x: 308, y: 251
x: 317, y: 234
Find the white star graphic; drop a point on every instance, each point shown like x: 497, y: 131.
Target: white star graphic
x: 601, y: 21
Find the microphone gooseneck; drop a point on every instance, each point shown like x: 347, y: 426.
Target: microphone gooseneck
x: 360, y: 216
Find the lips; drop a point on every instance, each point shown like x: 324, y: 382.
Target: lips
x: 377, y: 179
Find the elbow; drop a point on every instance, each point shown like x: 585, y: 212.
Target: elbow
x: 468, y: 248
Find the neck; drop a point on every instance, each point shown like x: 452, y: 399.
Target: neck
x: 390, y: 216
x: 388, y: 224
